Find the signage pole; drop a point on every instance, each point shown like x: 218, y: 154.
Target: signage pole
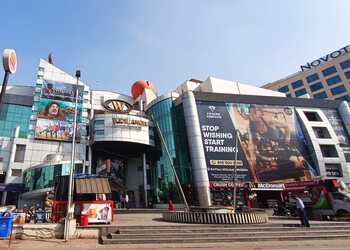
x: 3, y: 89
x: 235, y: 171
x: 71, y: 179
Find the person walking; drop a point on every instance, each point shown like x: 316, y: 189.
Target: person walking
x: 126, y: 201
x: 301, y: 210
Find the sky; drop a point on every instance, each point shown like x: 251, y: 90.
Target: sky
x: 117, y: 42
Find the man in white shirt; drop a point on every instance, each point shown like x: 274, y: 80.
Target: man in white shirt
x: 126, y: 201
x: 301, y: 210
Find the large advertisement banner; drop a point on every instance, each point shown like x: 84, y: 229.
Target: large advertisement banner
x: 61, y: 91
x: 270, y: 142
x: 340, y: 130
x: 56, y: 111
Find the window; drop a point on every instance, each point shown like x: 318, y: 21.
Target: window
x: 333, y: 80
x: 338, y: 90
x: 321, y: 132
x: 300, y: 92
x: 344, y: 98
x: 20, y: 151
x: 347, y: 74
x: 297, y: 84
x: 345, y: 64
x: 284, y: 89
x: 312, y: 78
x: 99, y: 122
x: 321, y: 95
x: 316, y: 86
x: 288, y: 95
x: 328, y: 151
x: 99, y: 132
x: 312, y: 116
x: 16, y: 172
x: 329, y: 71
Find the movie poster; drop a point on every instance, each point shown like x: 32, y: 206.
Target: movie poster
x: 56, y: 111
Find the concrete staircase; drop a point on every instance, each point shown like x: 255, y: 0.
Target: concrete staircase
x: 224, y: 233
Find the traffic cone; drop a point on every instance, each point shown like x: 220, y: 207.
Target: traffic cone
x: 171, y: 206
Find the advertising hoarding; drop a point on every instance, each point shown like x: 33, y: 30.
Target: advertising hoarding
x: 270, y: 142
x: 56, y: 111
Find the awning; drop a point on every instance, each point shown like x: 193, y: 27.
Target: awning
x: 92, y: 186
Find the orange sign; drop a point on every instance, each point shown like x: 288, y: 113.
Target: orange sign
x: 9, y: 59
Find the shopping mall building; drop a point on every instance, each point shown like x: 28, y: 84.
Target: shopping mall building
x: 212, y: 132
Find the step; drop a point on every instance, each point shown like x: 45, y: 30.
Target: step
x: 224, y: 234
x: 105, y: 240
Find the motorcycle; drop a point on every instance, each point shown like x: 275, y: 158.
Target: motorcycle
x: 280, y: 210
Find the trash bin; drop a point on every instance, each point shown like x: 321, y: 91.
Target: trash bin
x: 84, y: 220
x: 5, y: 224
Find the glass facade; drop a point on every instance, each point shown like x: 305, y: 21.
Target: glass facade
x: 44, y: 177
x: 172, y: 125
x: 284, y: 89
x: 321, y: 95
x: 312, y: 78
x: 333, y: 80
x: 12, y: 116
x: 300, y: 92
x: 338, y: 90
x: 316, y: 86
x: 297, y: 84
x: 329, y: 71
x: 345, y: 64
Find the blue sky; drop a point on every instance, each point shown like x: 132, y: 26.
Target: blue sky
x: 115, y: 43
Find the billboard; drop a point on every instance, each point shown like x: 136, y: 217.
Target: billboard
x: 56, y: 111
x: 269, y: 142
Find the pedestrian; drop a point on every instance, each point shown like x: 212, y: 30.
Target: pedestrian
x: 126, y: 201
x: 301, y: 210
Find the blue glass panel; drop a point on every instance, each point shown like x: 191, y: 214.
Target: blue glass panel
x: 344, y: 98
x: 345, y: 64
x: 312, y: 78
x: 321, y: 95
x: 333, y: 80
x: 284, y: 89
x: 347, y: 74
x: 297, y: 84
x: 300, y: 92
x: 338, y: 90
x: 329, y: 71
x: 316, y: 86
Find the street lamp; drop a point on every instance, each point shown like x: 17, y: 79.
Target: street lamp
x: 235, y: 171
x: 71, y: 173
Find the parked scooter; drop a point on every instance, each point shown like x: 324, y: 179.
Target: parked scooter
x: 29, y: 213
x: 281, y: 210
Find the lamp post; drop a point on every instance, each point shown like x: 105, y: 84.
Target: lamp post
x: 71, y: 173
x: 235, y: 171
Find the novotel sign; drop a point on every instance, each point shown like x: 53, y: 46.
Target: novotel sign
x: 325, y: 58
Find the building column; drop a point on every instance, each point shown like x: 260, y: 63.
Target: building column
x: 194, y: 137
x: 9, y: 170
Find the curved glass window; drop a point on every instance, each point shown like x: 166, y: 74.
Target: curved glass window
x: 172, y: 125
x: 44, y: 177
x: 12, y: 116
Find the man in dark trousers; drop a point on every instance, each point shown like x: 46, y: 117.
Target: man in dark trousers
x: 301, y: 210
